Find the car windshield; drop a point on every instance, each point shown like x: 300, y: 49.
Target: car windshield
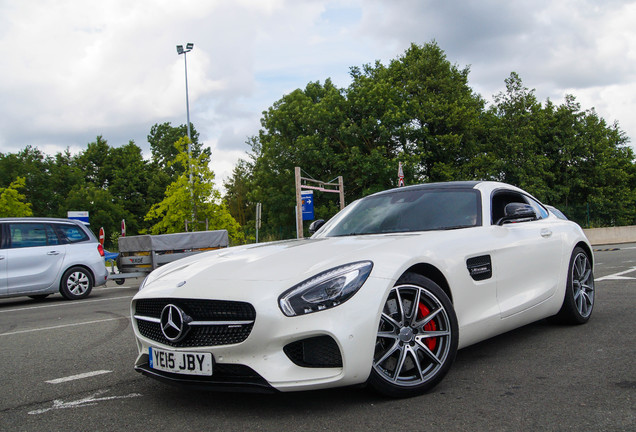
x: 407, y: 210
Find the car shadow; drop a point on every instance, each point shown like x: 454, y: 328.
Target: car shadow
x: 316, y: 402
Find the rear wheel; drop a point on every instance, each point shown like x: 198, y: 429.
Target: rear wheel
x: 417, y: 338
x: 76, y: 283
x: 579, y: 292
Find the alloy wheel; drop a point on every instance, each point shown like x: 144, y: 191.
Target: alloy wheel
x: 583, y: 284
x: 414, y: 337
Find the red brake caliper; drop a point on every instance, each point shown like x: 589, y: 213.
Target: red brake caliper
x: 423, y: 311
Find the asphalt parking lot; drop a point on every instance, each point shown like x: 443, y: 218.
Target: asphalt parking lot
x: 68, y: 366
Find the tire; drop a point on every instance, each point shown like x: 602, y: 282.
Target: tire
x: 578, y: 302
x: 415, y: 348
x: 39, y: 297
x: 76, y: 283
x: 120, y: 281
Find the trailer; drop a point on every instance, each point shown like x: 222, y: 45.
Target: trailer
x: 139, y: 255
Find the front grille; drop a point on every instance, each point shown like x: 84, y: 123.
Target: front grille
x: 319, y: 351
x: 149, y: 311
x: 200, y: 310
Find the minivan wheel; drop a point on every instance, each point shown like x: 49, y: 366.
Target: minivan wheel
x: 76, y: 283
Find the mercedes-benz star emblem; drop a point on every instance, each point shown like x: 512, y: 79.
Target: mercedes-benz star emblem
x: 174, y: 323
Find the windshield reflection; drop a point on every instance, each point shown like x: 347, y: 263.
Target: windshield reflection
x: 407, y: 210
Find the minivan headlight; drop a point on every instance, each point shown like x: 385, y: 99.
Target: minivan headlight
x: 325, y: 290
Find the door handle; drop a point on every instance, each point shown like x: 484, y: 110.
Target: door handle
x: 545, y: 233
x: 53, y: 253
x: 1, y: 257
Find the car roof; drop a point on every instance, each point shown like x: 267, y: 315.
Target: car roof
x: 40, y: 219
x: 436, y: 186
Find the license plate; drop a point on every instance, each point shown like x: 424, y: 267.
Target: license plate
x: 181, y: 362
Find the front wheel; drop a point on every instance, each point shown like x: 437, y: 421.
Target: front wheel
x: 417, y: 338
x: 579, y: 291
x: 76, y: 283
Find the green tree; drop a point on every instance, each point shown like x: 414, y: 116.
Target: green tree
x: 419, y: 110
x: 12, y: 202
x: 94, y: 163
x: 33, y: 165
x: 523, y: 159
x: 162, y: 139
x: 564, y: 156
x: 185, y: 199
x: 103, y: 211
x: 134, y: 183
x: 64, y: 174
x: 237, y: 190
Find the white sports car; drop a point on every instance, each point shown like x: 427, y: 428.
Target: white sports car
x: 385, y: 293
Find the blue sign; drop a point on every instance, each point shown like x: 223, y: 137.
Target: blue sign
x: 78, y: 215
x: 308, y: 204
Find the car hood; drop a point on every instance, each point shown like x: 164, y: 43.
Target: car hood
x: 277, y: 261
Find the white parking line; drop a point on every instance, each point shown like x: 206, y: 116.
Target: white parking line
x: 617, y: 276
x: 62, y: 304
x: 118, y: 287
x: 88, y: 401
x: 78, y: 376
x: 62, y: 326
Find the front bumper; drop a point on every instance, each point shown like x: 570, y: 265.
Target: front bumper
x: 227, y: 377
x: 264, y: 360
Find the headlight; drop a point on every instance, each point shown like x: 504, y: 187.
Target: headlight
x: 325, y: 290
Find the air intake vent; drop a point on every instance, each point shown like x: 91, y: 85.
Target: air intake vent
x: 479, y: 268
x: 316, y: 352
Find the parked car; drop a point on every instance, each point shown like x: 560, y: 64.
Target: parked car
x: 42, y: 256
x: 385, y: 293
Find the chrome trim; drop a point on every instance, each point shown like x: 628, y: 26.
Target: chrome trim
x: 219, y: 323
x: 150, y: 319
x: 196, y: 323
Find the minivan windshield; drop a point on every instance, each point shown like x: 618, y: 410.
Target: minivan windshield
x: 407, y: 210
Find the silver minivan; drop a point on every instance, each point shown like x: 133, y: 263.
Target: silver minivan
x: 42, y: 256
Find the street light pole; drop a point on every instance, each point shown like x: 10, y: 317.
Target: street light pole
x: 185, y: 52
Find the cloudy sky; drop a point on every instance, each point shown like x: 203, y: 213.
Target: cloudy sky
x: 75, y: 69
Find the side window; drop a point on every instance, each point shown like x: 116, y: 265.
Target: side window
x: 541, y: 212
x: 500, y: 199
x: 51, y: 237
x: 27, y: 235
x: 71, y: 233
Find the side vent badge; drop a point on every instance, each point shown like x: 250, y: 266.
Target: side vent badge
x: 479, y: 268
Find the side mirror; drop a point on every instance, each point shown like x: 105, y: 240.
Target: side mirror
x: 517, y: 212
x: 315, y: 225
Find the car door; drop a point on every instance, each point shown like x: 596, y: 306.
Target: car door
x: 34, y: 257
x: 527, y: 258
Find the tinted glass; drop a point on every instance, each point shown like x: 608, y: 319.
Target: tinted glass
x: 541, y: 212
x: 27, y: 235
x: 51, y: 237
x: 409, y: 210
x: 71, y: 233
